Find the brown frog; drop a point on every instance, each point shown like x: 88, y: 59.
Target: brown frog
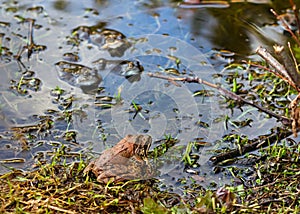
x: 125, y: 161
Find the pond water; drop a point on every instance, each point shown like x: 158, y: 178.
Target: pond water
x: 100, y: 52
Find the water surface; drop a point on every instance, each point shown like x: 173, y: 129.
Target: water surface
x: 159, y: 32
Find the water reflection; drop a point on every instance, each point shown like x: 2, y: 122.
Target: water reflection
x: 240, y: 28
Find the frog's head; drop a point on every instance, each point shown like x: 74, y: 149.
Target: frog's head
x: 142, y: 145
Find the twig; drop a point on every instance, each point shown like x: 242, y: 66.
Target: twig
x: 288, y: 63
x: 295, y: 114
x: 225, y: 92
x: 251, y: 146
x: 294, y: 7
x: 293, y: 78
x: 286, y: 27
x: 266, y: 69
x: 280, y: 69
x: 293, y: 57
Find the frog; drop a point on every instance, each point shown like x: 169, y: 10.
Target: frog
x: 127, y: 160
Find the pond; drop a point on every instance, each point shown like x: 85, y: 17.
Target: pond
x: 74, y: 76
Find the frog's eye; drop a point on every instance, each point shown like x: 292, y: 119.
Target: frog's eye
x: 138, y: 150
x: 141, y: 147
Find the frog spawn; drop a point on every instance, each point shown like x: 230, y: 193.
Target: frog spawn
x: 113, y: 41
x: 131, y: 70
x: 89, y: 77
x: 77, y: 75
x: 82, y: 76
